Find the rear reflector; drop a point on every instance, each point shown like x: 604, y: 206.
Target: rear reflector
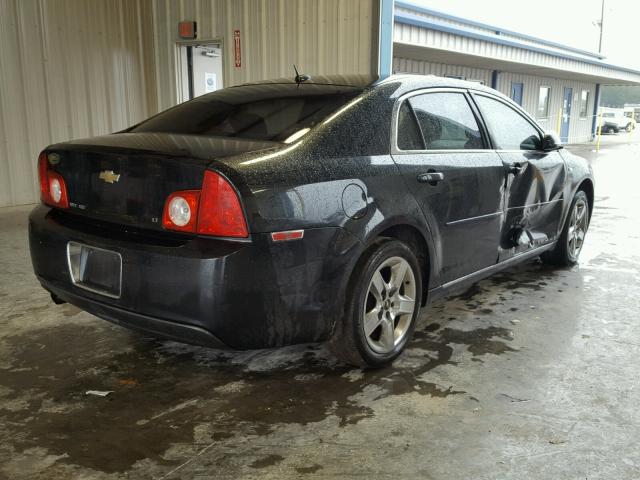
x: 287, y: 235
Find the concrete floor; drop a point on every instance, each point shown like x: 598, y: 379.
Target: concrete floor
x: 530, y: 374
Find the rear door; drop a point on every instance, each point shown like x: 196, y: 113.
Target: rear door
x: 442, y: 155
x: 534, y: 194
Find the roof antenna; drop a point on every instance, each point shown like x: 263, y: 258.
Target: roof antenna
x: 300, y: 78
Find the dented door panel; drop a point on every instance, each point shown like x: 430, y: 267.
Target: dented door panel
x: 535, y: 200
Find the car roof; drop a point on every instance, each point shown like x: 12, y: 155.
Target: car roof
x: 356, y: 81
x: 409, y: 81
x: 412, y: 81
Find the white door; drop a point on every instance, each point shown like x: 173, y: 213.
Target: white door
x: 200, y: 70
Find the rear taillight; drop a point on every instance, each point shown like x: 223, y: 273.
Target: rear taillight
x: 53, y: 190
x: 215, y: 210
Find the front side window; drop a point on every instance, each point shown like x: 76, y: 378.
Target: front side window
x: 446, y: 121
x: 543, y: 102
x: 584, y: 102
x: 509, y: 130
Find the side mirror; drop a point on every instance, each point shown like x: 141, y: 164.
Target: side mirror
x: 551, y: 141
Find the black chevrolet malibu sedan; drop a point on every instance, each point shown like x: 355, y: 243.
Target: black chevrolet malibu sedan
x: 279, y: 212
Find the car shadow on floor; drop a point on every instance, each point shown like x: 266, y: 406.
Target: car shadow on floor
x: 176, y: 388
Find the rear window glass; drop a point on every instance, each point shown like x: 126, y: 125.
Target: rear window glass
x: 409, y: 136
x: 270, y: 112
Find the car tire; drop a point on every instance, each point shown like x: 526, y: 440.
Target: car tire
x: 381, y: 306
x: 567, y: 250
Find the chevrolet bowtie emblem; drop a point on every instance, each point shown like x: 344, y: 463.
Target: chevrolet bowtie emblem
x: 109, y: 176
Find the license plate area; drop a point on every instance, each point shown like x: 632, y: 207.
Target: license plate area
x: 95, y: 269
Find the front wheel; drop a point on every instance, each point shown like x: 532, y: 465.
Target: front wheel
x: 382, y: 305
x: 569, y: 246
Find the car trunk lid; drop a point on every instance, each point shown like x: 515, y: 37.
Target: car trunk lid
x: 126, y: 178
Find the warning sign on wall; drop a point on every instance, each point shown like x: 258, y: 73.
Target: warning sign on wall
x: 237, y: 53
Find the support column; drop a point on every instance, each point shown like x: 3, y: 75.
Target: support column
x: 385, y: 38
x: 596, y: 104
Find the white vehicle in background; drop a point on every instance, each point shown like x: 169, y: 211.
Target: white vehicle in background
x: 616, y: 117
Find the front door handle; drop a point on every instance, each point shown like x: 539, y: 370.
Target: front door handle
x: 432, y: 178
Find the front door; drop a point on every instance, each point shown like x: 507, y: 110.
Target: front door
x: 535, y: 179
x: 566, y: 114
x: 516, y: 92
x: 455, y: 179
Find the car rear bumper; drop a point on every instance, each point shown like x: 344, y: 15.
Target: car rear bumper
x: 204, y: 291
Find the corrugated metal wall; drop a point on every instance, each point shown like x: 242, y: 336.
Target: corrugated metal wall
x: 68, y: 69
x: 320, y: 36
x: 424, y: 37
x: 407, y: 65
x: 579, y: 128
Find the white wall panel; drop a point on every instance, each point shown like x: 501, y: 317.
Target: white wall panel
x: 406, y: 65
x: 68, y: 69
x: 320, y: 36
x: 579, y: 128
x: 487, y: 50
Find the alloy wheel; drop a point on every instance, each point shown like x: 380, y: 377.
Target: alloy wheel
x: 578, y: 225
x: 389, y: 305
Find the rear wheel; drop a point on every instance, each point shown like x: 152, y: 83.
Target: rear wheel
x: 569, y: 246
x: 383, y: 301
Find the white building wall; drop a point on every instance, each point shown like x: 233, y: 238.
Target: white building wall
x: 321, y: 37
x: 422, y: 36
x: 68, y: 69
x: 407, y: 65
x: 579, y: 128
x: 79, y: 68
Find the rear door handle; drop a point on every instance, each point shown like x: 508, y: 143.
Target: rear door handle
x: 432, y: 178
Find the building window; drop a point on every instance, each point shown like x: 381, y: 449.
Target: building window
x: 543, y: 102
x: 584, y: 102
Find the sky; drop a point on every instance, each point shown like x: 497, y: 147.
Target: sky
x: 570, y: 22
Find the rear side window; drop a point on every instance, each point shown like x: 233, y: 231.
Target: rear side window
x: 409, y: 136
x: 446, y: 121
x: 258, y: 112
x: 509, y: 130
